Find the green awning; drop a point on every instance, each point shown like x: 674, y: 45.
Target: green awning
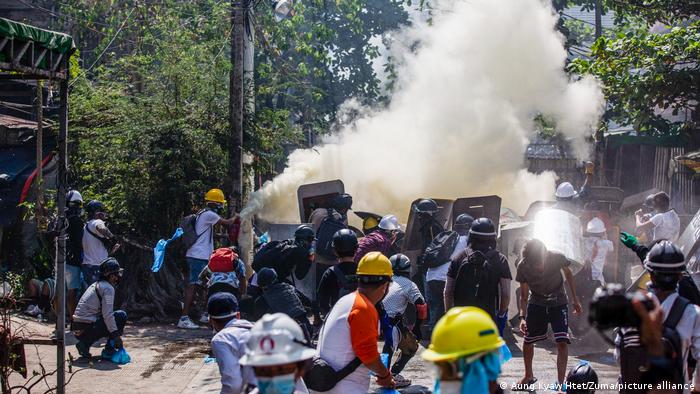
x: 53, y: 41
x: 616, y: 140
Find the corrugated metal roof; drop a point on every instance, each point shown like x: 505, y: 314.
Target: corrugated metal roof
x: 11, y: 122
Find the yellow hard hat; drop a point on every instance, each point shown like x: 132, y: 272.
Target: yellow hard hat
x: 370, y: 223
x: 215, y: 195
x: 375, y: 264
x: 461, y: 332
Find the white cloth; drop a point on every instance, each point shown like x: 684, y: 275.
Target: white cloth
x: 94, y: 251
x: 204, y: 227
x: 689, y: 330
x: 402, y: 291
x: 667, y: 225
x: 228, y: 346
x: 439, y: 273
x: 597, y: 253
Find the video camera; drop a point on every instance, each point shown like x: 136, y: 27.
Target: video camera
x: 611, y: 307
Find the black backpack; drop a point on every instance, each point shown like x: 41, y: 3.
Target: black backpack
x: 633, y: 356
x: 440, y: 249
x: 346, y: 283
x: 188, y: 224
x: 474, y: 271
x: 273, y: 254
x: 324, y: 236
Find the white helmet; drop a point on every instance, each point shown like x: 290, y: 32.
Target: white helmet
x: 74, y: 196
x: 276, y: 339
x: 389, y: 223
x: 565, y: 190
x: 595, y: 226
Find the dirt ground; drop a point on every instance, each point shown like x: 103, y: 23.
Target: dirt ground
x: 167, y: 359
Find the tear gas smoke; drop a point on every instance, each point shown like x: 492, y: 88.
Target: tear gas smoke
x: 459, y: 120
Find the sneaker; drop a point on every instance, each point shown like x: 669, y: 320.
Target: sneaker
x: 32, y: 310
x: 401, y: 381
x: 83, y: 349
x: 185, y: 322
x: 204, y: 319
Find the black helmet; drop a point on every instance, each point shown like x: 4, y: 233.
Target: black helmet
x: 463, y: 223
x: 110, y: 265
x: 400, y: 264
x: 483, y: 228
x: 304, y: 232
x: 584, y: 375
x: 94, y: 206
x: 426, y: 205
x: 345, y: 242
x: 267, y: 277
x: 342, y: 202
x: 665, y: 257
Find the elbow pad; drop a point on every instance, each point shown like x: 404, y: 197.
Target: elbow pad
x: 422, y: 311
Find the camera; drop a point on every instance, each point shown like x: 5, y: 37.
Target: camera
x: 611, y: 307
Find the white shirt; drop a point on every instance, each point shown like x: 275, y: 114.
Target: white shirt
x: 204, y: 227
x: 439, y: 273
x: 598, y: 250
x: 689, y: 330
x: 402, y: 291
x: 94, y: 252
x: 228, y: 346
x: 667, y: 225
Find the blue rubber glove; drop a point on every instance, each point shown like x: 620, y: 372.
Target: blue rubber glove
x: 501, y: 321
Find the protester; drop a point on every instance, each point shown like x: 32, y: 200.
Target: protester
x: 280, y: 297
x: 428, y: 225
x: 598, y: 248
x: 568, y: 198
x: 437, y: 277
x: 351, y: 332
x: 340, y: 206
x: 98, y: 242
x: 544, y: 303
x: 397, y: 337
x: 666, y: 264
x: 225, y: 272
x: 41, y: 296
x: 95, y: 316
x: 664, y: 224
x: 74, y: 248
x: 380, y: 240
x: 290, y: 256
x: 278, y: 353
x: 647, y: 210
x: 582, y: 379
x: 480, y: 275
x: 370, y: 221
x: 228, y: 344
x: 326, y: 222
x: 340, y: 279
x: 467, y: 351
x: 197, y: 255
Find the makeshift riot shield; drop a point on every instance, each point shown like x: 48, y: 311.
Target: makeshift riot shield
x: 561, y: 232
x: 689, y: 242
x: 412, y: 239
x: 307, y: 284
x: 317, y: 195
x: 478, y: 207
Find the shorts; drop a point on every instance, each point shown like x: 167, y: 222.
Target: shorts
x: 540, y: 317
x: 72, y: 277
x: 195, y: 266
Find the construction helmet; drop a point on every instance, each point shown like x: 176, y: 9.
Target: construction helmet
x: 267, y: 277
x: 94, y: 206
x: 215, y: 195
x: 665, y: 257
x: 483, y: 228
x: 461, y: 332
x: 582, y: 375
x: 374, y: 267
x: 276, y: 339
x: 595, y: 226
x: 462, y: 224
x: 389, y: 223
x: 305, y: 233
x: 345, y: 242
x: 342, y: 202
x: 109, y: 266
x: 400, y: 263
x: 565, y: 190
x: 426, y: 205
x: 74, y: 199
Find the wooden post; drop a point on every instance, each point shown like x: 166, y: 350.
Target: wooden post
x: 39, y: 207
x: 236, y: 103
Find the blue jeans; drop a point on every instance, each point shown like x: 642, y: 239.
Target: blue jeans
x: 434, y: 291
x: 93, y: 332
x: 91, y: 273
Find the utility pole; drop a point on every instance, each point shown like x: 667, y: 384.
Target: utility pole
x: 236, y: 103
x: 599, y: 135
x: 39, y: 207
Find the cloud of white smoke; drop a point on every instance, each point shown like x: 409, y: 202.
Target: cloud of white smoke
x: 459, y: 120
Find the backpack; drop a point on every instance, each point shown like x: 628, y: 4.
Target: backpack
x: 633, y: 356
x: 440, y: 249
x: 223, y: 260
x: 324, y: 236
x: 470, y: 275
x: 189, y: 229
x: 345, y: 285
x: 272, y: 255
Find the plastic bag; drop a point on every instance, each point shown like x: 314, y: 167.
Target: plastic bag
x: 159, y: 250
x: 121, y: 357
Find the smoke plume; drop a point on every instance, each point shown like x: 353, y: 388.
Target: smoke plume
x: 459, y: 120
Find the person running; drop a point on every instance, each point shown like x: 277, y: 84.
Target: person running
x: 95, y: 316
x: 278, y: 353
x: 228, y: 343
x: 280, y: 297
x: 98, y: 242
x: 339, y: 280
x: 544, y: 303
x: 197, y: 256
x: 351, y: 329
x: 397, y: 336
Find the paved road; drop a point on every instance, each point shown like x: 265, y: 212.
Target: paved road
x: 166, y: 359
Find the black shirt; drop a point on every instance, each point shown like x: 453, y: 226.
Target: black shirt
x: 74, y: 243
x: 329, y: 286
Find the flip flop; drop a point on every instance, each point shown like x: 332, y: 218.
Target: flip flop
x: 524, y: 386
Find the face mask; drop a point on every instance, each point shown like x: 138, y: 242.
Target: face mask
x: 282, y: 384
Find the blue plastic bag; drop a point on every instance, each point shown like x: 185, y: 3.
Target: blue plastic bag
x: 159, y: 250
x: 121, y: 357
